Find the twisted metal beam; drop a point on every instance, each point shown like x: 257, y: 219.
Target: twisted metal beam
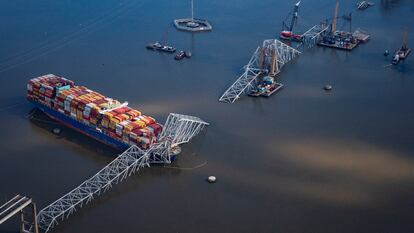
x: 255, y: 68
x: 178, y: 129
x: 314, y: 34
x: 123, y: 166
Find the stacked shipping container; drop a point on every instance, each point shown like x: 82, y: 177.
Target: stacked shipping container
x: 95, y: 110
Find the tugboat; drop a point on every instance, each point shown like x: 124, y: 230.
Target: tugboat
x: 159, y: 47
x: 403, y: 52
x: 287, y: 32
x: 266, y: 87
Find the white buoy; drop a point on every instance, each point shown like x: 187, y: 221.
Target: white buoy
x: 56, y: 131
x: 327, y: 87
x: 212, y: 179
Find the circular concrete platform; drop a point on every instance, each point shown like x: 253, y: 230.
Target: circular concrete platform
x: 193, y: 25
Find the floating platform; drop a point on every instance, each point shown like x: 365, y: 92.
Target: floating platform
x: 339, y: 45
x: 193, y: 25
x: 342, y: 40
x: 268, y: 92
x: 361, y: 36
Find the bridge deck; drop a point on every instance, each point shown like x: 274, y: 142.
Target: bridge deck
x: 13, y: 206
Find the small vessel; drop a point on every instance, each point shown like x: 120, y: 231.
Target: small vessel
x: 403, y: 52
x: 182, y: 54
x: 266, y: 87
x: 160, y: 47
x: 287, y: 31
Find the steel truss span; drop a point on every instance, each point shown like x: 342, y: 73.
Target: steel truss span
x: 260, y: 63
x: 178, y: 129
x: 314, y: 34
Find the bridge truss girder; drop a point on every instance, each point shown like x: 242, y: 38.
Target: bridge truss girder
x: 314, y: 34
x: 179, y: 129
x: 245, y: 82
x: 261, y: 62
x: 284, y: 53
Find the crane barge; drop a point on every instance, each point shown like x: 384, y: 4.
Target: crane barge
x: 287, y: 31
x: 403, y: 52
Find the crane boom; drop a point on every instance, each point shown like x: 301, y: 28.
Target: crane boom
x: 405, y: 38
x: 335, y: 17
x: 295, y: 16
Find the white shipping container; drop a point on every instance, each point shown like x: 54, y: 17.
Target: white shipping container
x: 118, y: 129
x: 133, y: 135
x: 145, y: 140
x: 67, y: 105
x: 86, y: 112
x: 150, y: 129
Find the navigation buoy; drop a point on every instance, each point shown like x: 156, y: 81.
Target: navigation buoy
x: 212, y: 179
x: 327, y: 87
x: 56, y: 131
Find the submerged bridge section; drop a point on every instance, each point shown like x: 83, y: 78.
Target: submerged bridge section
x: 267, y: 59
x: 178, y: 129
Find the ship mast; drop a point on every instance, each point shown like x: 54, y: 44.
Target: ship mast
x: 405, y: 38
x: 192, y: 11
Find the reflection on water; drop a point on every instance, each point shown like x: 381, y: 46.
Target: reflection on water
x: 387, y: 5
x: 41, y: 120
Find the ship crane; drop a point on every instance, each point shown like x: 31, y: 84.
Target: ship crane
x: 335, y: 18
x: 310, y: 37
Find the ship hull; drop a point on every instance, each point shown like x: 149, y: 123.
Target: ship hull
x: 88, y: 130
x: 81, y: 128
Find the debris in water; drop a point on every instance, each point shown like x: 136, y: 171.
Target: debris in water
x: 212, y: 179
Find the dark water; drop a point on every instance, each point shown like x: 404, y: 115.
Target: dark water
x: 301, y: 161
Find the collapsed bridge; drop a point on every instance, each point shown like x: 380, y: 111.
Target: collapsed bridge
x: 178, y: 129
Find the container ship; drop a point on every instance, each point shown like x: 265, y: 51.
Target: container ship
x: 91, y: 113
